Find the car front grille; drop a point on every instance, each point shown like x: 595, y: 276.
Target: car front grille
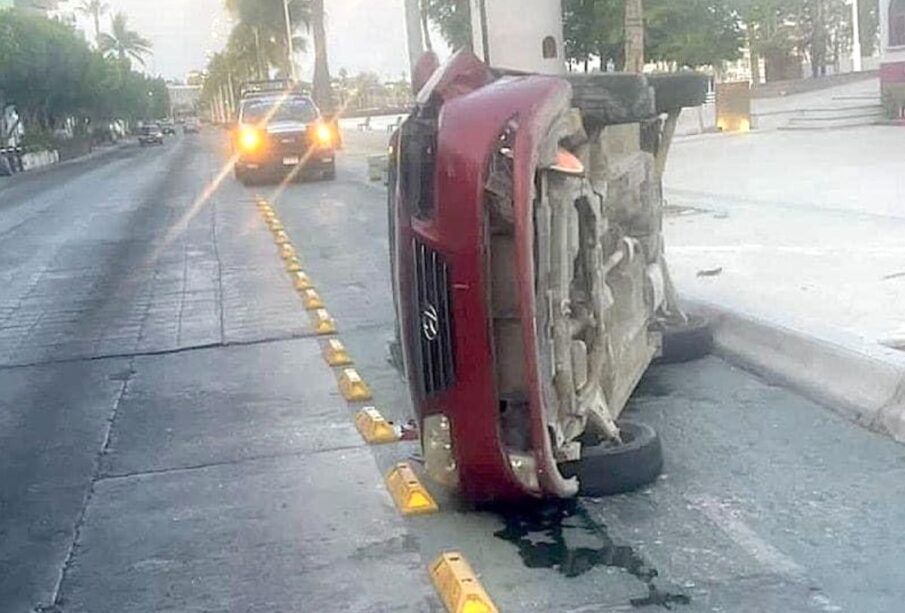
x: 433, y: 324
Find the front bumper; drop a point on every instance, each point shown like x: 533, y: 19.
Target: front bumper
x: 285, y: 162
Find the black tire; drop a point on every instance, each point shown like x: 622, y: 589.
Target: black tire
x: 606, y: 470
x: 674, y: 91
x: 330, y: 173
x: 688, y: 342
x: 242, y: 176
x: 611, y: 98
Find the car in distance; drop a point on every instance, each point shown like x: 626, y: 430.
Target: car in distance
x: 281, y: 134
x: 191, y: 126
x: 167, y: 127
x: 150, y: 135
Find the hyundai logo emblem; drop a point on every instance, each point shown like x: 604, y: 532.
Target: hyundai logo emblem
x: 430, y: 323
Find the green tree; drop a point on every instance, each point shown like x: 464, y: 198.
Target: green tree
x: 123, y: 42
x: 453, y: 18
x: 51, y: 74
x: 261, y: 31
x: 691, y: 33
x: 94, y: 9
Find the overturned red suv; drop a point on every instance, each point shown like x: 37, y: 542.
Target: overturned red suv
x: 529, y: 278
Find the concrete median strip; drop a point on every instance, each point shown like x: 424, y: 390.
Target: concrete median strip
x: 863, y: 381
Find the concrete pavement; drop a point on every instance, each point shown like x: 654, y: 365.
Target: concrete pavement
x: 191, y: 451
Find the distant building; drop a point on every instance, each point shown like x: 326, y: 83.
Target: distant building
x: 892, y: 56
x: 184, y: 99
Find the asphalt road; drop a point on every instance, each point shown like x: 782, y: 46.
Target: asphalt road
x: 170, y: 439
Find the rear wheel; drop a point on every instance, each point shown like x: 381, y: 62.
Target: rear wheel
x: 242, y: 176
x: 329, y: 174
x: 609, y: 468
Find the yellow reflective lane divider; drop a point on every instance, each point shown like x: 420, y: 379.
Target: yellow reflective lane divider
x: 410, y: 496
x: 293, y: 265
x: 276, y: 225
x: 352, y: 386
x: 281, y: 238
x: 312, y: 300
x: 374, y: 429
x: 335, y: 353
x: 458, y: 585
x: 322, y: 321
x: 301, y: 281
x: 288, y: 252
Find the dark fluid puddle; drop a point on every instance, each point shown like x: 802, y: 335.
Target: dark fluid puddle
x: 542, y: 534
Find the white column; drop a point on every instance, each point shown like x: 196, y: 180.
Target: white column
x: 856, y: 37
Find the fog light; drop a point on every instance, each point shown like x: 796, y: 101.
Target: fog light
x: 439, y: 460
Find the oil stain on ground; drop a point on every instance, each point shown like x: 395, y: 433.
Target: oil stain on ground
x: 547, y: 535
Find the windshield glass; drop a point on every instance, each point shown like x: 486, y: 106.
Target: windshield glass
x: 295, y: 109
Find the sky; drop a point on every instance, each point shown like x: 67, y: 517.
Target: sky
x: 362, y: 35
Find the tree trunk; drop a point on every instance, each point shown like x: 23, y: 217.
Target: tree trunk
x: 755, y: 62
x: 97, y: 28
x: 413, y: 31
x: 323, y: 94
x: 425, y: 26
x: 634, y: 35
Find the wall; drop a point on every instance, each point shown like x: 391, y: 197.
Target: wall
x: 516, y: 33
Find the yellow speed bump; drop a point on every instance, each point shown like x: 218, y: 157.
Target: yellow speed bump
x: 322, y: 321
x: 293, y: 265
x: 352, y: 385
x: 374, y: 429
x: 458, y: 586
x: 312, y: 299
x: 287, y: 252
x: 410, y: 496
x: 301, y: 281
x: 335, y: 353
x: 281, y: 238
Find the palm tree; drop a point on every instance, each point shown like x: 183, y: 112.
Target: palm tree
x: 323, y: 89
x: 264, y: 22
x: 123, y: 42
x: 94, y: 9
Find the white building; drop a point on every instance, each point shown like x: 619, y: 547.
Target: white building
x: 892, y: 55
x: 509, y: 34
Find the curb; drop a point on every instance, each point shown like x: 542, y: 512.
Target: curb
x: 863, y: 381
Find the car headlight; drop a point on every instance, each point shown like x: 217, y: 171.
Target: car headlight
x: 324, y: 135
x: 250, y: 139
x: 439, y: 461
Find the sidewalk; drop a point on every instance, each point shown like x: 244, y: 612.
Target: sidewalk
x: 808, y: 225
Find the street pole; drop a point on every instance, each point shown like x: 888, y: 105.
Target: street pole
x: 289, y: 49
x: 856, y: 37
x: 413, y: 32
